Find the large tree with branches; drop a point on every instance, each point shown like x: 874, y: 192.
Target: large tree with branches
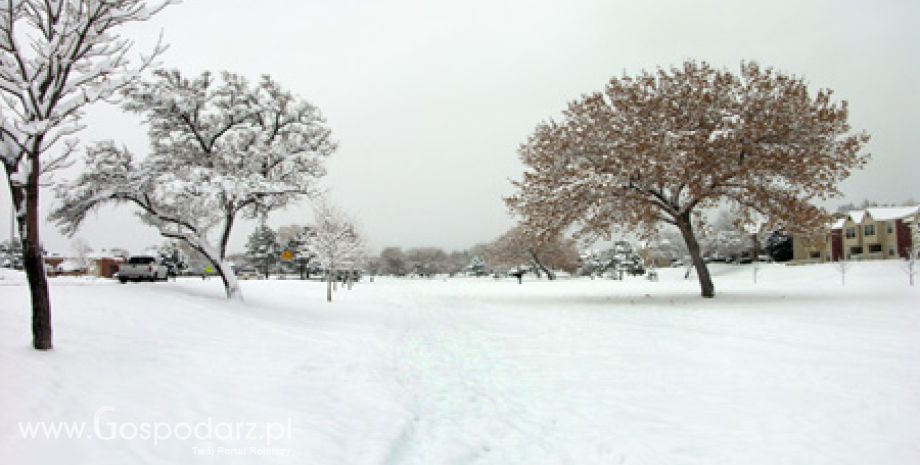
x: 517, y: 248
x: 220, y: 148
x: 662, y: 147
x: 56, y: 58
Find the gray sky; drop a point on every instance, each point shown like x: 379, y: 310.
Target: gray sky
x: 430, y: 99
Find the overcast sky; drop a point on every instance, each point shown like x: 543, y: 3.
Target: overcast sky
x: 430, y: 99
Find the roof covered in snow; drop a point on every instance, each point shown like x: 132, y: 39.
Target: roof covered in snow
x: 892, y: 213
x: 878, y: 214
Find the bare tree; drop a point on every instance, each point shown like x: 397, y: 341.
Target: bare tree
x: 393, y: 261
x: 81, y: 253
x: 842, y: 266
x: 913, y: 253
x: 457, y: 261
x: 426, y: 261
x: 336, y: 243
x: 663, y: 147
x: 56, y: 58
x: 221, y: 148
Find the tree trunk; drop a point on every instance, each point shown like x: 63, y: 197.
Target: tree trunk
x: 549, y: 273
x: 328, y: 287
x: 684, y: 223
x: 225, y: 234
x: 231, y: 285
x: 34, y: 265
x: 25, y: 202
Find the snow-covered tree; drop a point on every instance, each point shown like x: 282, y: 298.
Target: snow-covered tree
x: 296, y: 239
x: 373, y: 265
x: 426, y: 261
x: 617, y: 260
x: 477, y: 266
x: 221, y: 148
x: 393, y: 261
x: 11, y: 252
x: 172, y: 256
x: 336, y: 243
x: 728, y: 245
x: 663, y: 147
x: 664, y: 248
x: 81, y: 254
x: 457, y: 261
x: 263, y: 250
x: 56, y: 58
x: 724, y: 238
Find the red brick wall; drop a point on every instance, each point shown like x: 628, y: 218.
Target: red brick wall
x: 902, y: 230
x: 836, y: 244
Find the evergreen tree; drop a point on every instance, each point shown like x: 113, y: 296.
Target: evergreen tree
x: 300, y: 247
x: 477, y: 267
x: 262, y: 249
x: 172, y: 258
x: 778, y: 246
x: 618, y: 259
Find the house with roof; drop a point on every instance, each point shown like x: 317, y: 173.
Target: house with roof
x: 870, y: 234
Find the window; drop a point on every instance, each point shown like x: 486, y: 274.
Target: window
x: 869, y: 230
x: 851, y: 233
x: 815, y: 254
x: 890, y: 228
x: 857, y: 250
x: 890, y: 251
x: 875, y: 248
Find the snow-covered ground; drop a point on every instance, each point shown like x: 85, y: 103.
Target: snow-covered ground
x: 796, y: 369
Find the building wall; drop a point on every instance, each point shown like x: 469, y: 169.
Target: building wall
x: 811, y: 249
x: 905, y: 233
x: 106, y: 267
x: 836, y: 245
x: 852, y: 239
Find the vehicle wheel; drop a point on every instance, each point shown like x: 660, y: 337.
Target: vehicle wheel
x: 123, y: 280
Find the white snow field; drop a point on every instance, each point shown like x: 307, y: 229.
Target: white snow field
x: 796, y: 369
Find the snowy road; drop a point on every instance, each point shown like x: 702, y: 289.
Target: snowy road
x: 793, y: 370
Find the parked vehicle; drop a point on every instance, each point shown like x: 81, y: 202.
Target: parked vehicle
x: 246, y: 272
x: 142, y: 268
